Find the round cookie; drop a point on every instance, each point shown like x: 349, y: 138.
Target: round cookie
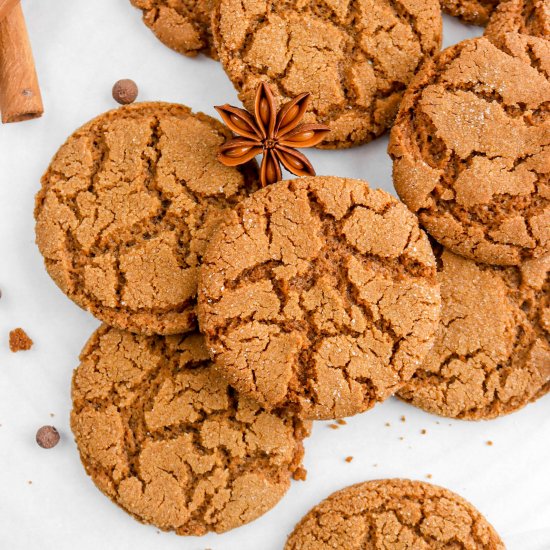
x: 320, y: 294
x: 165, y: 438
x: 492, y: 352
x: 126, y: 208
x: 530, y: 17
x: 355, y: 58
x: 471, y: 149
x: 476, y: 12
x: 394, y: 513
x: 182, y: 25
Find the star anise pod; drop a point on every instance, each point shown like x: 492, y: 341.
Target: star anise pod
x: 276, y: 134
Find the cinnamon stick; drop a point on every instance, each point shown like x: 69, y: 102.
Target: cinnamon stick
x: 20, y: 97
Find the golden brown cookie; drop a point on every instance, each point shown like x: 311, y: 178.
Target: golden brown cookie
x: 476, y: 12
x: 394, y: 513
x: 183, y: 25
x: 471, y: 149
x: 319, y: 293
x: 530, y: 17
x: 492, y: 352
x: 126, y: 209
x: 355, y: 58
x: 170, y: 442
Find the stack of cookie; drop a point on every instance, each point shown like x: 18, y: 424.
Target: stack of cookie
x: 234, y: 316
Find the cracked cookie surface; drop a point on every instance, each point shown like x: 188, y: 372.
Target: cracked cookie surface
x: 126, y: 208
x: 531, y: 17
x: 355, y: 57
x: 492, y: 352
x: 394, y: 513
x: 476, y: 12
x: 471, y: 149
x: 319, y: 293
x: 165, y: 438
x: 182, y: 25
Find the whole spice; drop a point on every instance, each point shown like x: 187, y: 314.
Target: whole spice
x: 125, y: 91
x: 47, y: 437
x: 275, y: 134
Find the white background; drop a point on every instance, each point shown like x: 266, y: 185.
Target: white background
x: 82, y: 47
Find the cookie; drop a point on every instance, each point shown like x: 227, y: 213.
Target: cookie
x: 476, y: 12
x: 182, y: 25
x: 394, y: 513
x: 530, y: 17
x: 471, y: 149
x: 492, y: 352
x: 165, y: 438
x: 320, y: 294
x: 126, y: 209
x: 355, y: 58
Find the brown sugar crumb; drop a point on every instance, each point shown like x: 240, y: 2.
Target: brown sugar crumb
x: 341, y: 422
x: 489, y: 443
x: 349, y: 459
x: 19, y: 341
x: 333, y: 426
x: 423, y: 432
x: 300, y: 474
x: 403, y: 419
x: 429, y: 476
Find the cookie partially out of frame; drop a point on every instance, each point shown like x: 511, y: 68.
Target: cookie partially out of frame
x: 355, y: 58
x: 126, y: 208
x: 182, y: 25
x: 492, y: 352
x: 531, y: 17
x: 394, y: 513
x: 321, y: 294
x: 165, y: 438
x: 471, y: 149
x: 476, y: 12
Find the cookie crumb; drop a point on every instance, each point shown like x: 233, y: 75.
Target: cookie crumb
x: 333, y: 426
x: 300, y: 474
x: 401, y: 439
x: 349, y: 459
x: 403, y: 418
x: 375, y: 465
x: 125, y: 91
x: 489, y: 443
x: 429, y: 476
x: 423, y: 432
x: 47, y: 437
x: 19, y: 340
x: 387, y: 424
x: 29, y: 482
x: 52, y: 415
x: 341, y: 421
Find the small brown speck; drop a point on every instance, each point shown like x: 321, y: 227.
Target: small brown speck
x: 489, y: 443
x: 333, y: 426
x: 429, y: 476
x: 349, y: 459
x: 375, y: 465
x: 26, y: 92
x: 387, y: 424
x: 19, y: 341
x: 52, y: 415
x: 401, y: 439
x: 423, y: 432
x: 29, y: 482
x: 341, y: 421
x: 403, y: 419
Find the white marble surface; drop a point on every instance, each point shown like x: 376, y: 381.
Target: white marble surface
x: 81, y: 48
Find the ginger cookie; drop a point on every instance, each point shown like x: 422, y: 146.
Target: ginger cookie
x: 530, y: 17
x: 126, y: 209
x: 471, y: 149
x: 165, y: 438
x: 182, y: 25
x: 355, y: 57
x: 394, y: 513
x: 492, y: 352
x: 321, y: 294
x: 476, y: 12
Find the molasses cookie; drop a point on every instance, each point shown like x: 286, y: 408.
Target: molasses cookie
x: 319, y: 293
x: 530, y: 17
x: 394, y: 513
x: 492, y: 352
x: 171, y: 443
x: 476, y: 12
x: 126, y: 209
x: 471, y: 149
x: 356, y: 58
x: 183, y: 25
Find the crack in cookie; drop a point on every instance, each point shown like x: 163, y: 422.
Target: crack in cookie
x: 321, y: 294
x: 476, y: 12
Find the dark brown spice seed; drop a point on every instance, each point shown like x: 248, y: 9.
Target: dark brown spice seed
x: 125, y: 91
x: 47, y: 437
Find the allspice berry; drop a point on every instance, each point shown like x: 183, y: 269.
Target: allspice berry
x: 47, y: 437
x: 125, y: 91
